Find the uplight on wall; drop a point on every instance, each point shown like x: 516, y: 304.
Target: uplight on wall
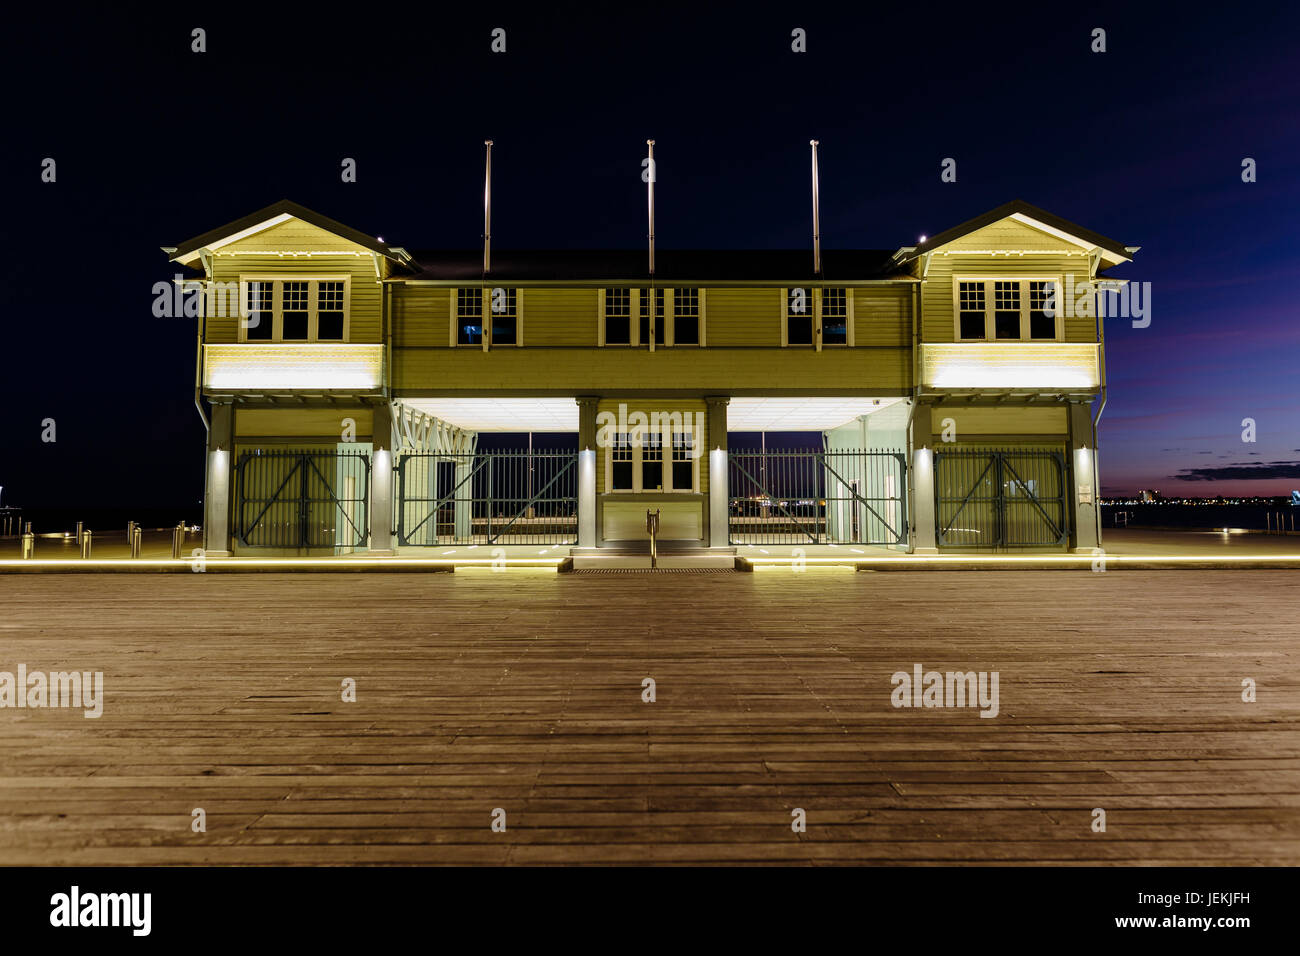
x: 1056, y: 365
x: 290, y: 366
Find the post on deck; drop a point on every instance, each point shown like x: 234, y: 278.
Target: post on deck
x: 216, y: 504
x: 718, y: 535
x: 924, y: 540
x: 587, y: 471
x: 381, y: 483
x: 1080, y: 472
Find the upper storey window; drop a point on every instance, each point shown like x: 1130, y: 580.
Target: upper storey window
x: 469, y: 316
x: 835, y: 316
x: 1007, y: 309
x: 686, y: 316
x: 294, y: 310
x: 505, y: 317
x: 618, y: 316
x: 799, y: 316
x: 486, y: 316
x: 818, y: 316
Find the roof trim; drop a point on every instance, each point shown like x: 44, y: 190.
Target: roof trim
x: 1113, y: 252
x: 273, y: 215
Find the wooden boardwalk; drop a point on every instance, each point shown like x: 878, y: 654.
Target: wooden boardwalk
x: 523, y: 691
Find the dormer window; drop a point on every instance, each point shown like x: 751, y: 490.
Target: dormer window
x: 294, y: 310
x: 1005, y: 309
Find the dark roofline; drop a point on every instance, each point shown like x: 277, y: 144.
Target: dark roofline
x: 1010, y: 209
x: 285, y: 207
x: 630, y: 266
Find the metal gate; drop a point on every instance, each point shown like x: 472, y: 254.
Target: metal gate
x: 295, y: 498
x: 492, y: 497
x: 808, y: 496
x: 1000, y: 498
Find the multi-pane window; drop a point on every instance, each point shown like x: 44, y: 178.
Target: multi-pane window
x: 260, y: 322
x: 1006, y: 310
x: 799, y: 316
x: 295, y: 311
x: 686, y: 317
x: 505, y: 317
x: 621, y: 461
x: 683, y: 461
x: 1042, y: 325
x: 469, y: 316
x: 658, y: 296
x: 618, y: 316
x: 835, y: 317
x: 652, y: 461
x: 329, y: 311
x: 970, y: 305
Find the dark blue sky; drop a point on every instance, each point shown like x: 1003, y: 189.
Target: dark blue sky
x: 1143, y: 143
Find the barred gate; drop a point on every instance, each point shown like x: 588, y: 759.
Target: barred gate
x: 495, y: 497
x: 299, y: 498
x: 1000, y: 498
x: 809, y: 496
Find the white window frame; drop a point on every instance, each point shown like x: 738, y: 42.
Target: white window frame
x: 990, y: 306
x: 814, y: 291
x: 633, y: 318
x: 639, y: 459
x: 487, y: 317
x: 454, y: 319
x: 670, y: 318
x: 276, y: 281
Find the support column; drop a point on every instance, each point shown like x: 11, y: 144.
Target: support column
x: 924, y: 540
x: 381, y: 482
x: 718, y: 533
x: 216, y: 500
x: 1080, y: 475
x: 587, y: 471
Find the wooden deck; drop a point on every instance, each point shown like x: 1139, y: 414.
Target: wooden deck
x: 522, y: 691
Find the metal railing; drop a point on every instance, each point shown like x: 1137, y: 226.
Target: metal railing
x: 301, y: 498
x: 1000, y: 498
x: 492, y: 497
x: 810, y: 496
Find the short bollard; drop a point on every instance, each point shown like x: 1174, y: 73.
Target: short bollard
x: 80, y: 531
x: 135, y: 541
x: 178, y: 540
x: 29, y: 542
x: 85, y: 544
x: 130, y: 531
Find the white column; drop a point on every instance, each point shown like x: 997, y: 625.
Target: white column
x: 587, y: 471
x: 381, y: 483
x: 922, y: 503
x: 719, y: 495
x: 463, y: 498
x: 1082, y: 506
x: 216, y: 505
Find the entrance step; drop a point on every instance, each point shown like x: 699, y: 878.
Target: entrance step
x: 638, y: 559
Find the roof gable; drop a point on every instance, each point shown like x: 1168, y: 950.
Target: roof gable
x: 272, y: 228
x: 1040, y: 228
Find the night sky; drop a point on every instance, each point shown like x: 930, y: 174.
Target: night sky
x: 155, y: 144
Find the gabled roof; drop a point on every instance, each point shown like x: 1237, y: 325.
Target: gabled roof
x: 1112, y: 251
x: 671, y: 265
x: 273, y: 215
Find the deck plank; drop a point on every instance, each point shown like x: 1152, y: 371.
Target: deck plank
x: 523, y: 691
